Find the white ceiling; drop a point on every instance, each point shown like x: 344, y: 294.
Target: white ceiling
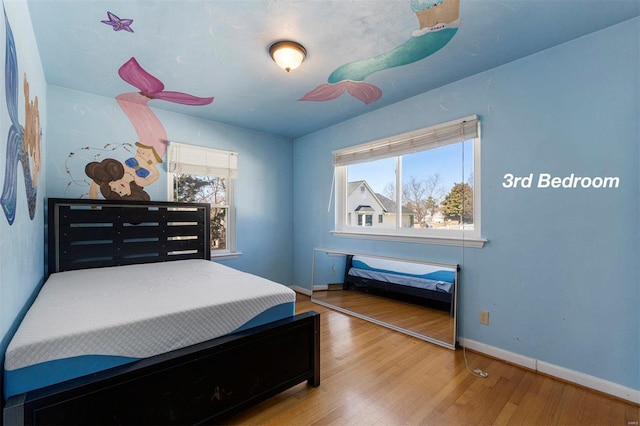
x: 219, y: 49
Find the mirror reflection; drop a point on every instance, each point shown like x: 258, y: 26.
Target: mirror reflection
x: 414, y: 297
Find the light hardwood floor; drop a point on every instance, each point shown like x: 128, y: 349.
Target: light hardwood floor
x: 375, y: 376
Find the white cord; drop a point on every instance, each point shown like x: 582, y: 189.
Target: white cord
x: 477, y: 372
x: 333, y: 184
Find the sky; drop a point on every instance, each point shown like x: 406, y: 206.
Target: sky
x: 447, y: 161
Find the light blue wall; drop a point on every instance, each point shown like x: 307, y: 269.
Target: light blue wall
x: 560, y: 273
x: 22, y: 243
x: 265, y: 169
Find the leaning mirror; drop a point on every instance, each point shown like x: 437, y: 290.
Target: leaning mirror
x: 411, y: 296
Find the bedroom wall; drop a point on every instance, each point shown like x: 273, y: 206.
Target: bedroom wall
x: 21, y: 238
x: 560, y: 272
x: 85, y: 127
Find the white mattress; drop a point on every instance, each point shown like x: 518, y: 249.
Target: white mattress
x: 137, y: 311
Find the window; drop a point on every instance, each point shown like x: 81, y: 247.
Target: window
x: 205, y: 175
x: 422, y: 185
x: 365, y: 220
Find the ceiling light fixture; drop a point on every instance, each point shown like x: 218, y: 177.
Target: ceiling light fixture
x: 288, y: 54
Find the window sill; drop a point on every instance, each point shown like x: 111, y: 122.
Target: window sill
x: 418, y: 239
x: 225, y: 256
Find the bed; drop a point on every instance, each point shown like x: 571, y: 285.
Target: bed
x: 393, y: 277
x: 136, y: 325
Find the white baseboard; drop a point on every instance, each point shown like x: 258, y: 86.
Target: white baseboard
x: 302, y: 290
x: 582, y: 379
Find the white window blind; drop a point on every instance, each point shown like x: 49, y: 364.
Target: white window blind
x: 406, y: 143
x: 201, y: 161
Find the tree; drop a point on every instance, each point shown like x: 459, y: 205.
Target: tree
x: 199, y: 189
x: 431, y: 204
x: 422, y: 195
x: 188, y: 188
x: 205, y: 189
x: 389, y: 191
x: 414, y: 198
x: 458, y: 204
x: 435, y: 192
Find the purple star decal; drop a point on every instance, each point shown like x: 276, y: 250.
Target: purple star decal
x: 117, y: 23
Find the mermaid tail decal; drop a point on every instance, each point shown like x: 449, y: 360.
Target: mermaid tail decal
x: 412, y: 50
x: 425, y: 42
x: 10, y: 189
x: 149, y: 129
x: 151, y: 87
x: 16, y: 145
x: 11, y: 73
x: 366, y: 92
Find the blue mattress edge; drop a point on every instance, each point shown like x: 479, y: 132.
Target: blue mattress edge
x: 440, y: 275
x: 47, y: 373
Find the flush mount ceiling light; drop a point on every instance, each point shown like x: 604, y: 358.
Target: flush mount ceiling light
x: 288, y: 54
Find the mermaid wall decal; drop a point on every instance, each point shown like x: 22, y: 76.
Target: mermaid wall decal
x: 115, y: 179
x: 438, y: 20
x: 23, y: 143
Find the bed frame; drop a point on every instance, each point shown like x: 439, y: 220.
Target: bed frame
x: 206, y: 382
x: 393, y: 289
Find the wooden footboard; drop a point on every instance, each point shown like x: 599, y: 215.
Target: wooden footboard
x: 202, y: 383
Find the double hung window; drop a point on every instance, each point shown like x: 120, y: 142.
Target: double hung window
x: 204, y: 175
x: 422, y: 185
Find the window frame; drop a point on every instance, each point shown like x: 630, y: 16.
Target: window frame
x: 230, y: 251
x: 467, y: 238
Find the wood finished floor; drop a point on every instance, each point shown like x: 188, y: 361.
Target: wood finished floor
x: 372, y: 375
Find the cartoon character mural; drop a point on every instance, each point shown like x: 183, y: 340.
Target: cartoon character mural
x: 438, y: 20
x: 127, y: 178
x: 115, y: 179
x: 23, y: 143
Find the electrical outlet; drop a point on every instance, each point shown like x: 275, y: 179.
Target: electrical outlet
x: 484, y: 317
x: 333, y: 270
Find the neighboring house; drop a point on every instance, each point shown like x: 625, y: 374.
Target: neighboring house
x: 367, y: 208
x: 434, y: 218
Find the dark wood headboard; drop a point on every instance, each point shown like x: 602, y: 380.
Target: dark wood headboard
x: 86, y: 234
